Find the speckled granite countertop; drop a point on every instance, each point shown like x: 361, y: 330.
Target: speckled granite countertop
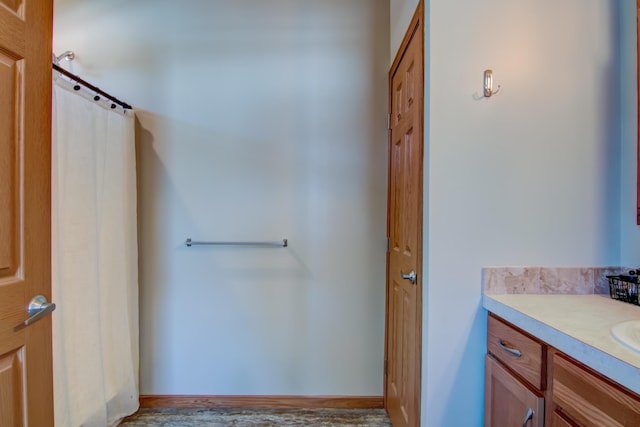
x: 578, y: 325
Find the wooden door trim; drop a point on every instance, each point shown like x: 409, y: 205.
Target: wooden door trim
x: 261, y: 402
x: 415, y: 29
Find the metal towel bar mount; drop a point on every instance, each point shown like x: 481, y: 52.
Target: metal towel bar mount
x: 283, y: 244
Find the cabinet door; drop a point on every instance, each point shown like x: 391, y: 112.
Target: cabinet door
x: 508, y: 402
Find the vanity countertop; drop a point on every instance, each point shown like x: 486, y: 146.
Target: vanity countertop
x: 578, y: 325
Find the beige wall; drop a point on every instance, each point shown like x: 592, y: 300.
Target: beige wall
x: 629, y: 231
x: 529, y: 177
x: 258, y: 120
x: 400, y: 16
x: 255, y: 128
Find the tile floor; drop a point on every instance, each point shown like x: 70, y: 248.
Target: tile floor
x: 182, y: 417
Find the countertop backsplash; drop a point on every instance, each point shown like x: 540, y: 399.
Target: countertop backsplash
x: 548, y: 280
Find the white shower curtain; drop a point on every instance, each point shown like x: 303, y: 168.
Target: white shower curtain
x: 94, y: 260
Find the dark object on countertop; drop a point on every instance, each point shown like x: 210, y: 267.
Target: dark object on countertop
x: 625, y: 287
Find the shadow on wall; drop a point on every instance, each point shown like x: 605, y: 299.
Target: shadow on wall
x: 210, y: 195
x: 214, y: 286
x: 468, y: 376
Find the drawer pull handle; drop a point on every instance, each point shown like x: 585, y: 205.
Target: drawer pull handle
x: 528, y: 416
x: 513, y: 351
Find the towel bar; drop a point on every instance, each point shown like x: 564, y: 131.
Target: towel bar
x: 283, y: 244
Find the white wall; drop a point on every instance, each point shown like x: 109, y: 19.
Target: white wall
x: 400, y: 17
x: 258, y: 120
x: 530, y: 177
x: 630, y: 232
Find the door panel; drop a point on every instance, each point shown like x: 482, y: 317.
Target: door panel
x: 26, y: 397
x: 13, y: 5
x: 404, y: 297
x: 11, y: 375
x: 10, y: 122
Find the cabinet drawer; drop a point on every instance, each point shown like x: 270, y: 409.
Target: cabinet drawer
x: 521, y: 354
x: 591, y: 400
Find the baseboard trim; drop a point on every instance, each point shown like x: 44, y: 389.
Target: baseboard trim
x: 197, y: 401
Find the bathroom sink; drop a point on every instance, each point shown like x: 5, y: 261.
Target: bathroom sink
x: 628, y: 333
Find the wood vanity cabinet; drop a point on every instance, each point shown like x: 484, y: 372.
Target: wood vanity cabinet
x: 514, y: 377
x: 524, y: 374
x: 560, y: 420
x: 585, y: 398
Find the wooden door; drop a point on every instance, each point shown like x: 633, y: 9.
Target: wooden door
x: 404, y: 223
x: 508, y: 402
x: 26, y: 390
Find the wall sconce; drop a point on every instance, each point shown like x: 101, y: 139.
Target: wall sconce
x: 489, y: 91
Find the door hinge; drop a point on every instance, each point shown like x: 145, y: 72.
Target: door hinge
x: 388, y: 245
x: 389, y: 121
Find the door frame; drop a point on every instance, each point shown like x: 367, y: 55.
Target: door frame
x: 416, y: 25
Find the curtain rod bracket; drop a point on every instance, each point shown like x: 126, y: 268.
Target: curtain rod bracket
x: 68, y: 55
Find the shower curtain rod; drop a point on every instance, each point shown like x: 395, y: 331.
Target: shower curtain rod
x: 90, y: 86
